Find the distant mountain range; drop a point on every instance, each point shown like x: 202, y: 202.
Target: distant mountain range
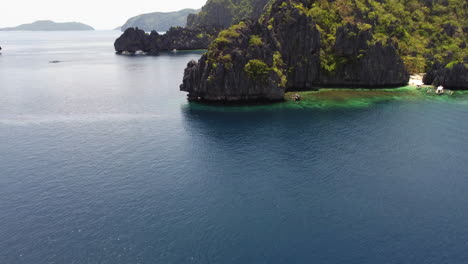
x: 160, y: 21
x: 47, y: 25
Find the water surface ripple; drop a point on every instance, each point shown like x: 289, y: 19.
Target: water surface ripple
x: 102, y: 160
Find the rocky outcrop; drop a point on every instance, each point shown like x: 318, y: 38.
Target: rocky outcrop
x: 379, y: 67
x: 238, y: 68
x: 431, y: 74
x: 135, y: 39
x: 260, y: 61
x: 454, y: 77
x: 298, y: 41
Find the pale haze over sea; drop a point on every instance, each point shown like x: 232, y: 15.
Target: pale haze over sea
x: 103, y: 14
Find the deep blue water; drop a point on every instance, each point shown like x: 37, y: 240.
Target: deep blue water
x: 102, y: 160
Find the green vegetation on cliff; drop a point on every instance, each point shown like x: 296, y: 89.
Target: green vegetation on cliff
x: 423, y: 31
x: 308, y: 44
x: 257, y: 70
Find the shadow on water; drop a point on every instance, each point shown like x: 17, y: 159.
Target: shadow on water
x: 290, y: 127
x: 326, y: 100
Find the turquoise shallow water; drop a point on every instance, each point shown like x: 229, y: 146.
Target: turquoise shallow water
x: 102, y: 160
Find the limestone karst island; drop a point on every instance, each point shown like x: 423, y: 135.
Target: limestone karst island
x: 234, y: 132
x: 257, y: 50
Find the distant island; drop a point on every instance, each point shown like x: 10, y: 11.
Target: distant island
x: 47, y: 25
x: 159, y: 21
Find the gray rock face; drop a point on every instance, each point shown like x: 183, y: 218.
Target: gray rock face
x: 135, y: 39
x: 227, y: 80
x: 298, y: 41
x: 350, y: 40
x: 431, y: 74
x: 229, y: 86
x: 454, y: 78
x: 187, y: 38
x: 379, y: 67
x: 364, y: 65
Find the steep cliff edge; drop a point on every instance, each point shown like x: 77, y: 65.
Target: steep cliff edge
x: 284, y: 51
x: 237, y: 68
x: 454, y: 77
x: 135, y: 39
x: 358, y: 63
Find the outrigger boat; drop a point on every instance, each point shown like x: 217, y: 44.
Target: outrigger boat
x: 440, y: 90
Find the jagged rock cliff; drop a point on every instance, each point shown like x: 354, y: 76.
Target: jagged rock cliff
x: 352, y: 43
x: 297, y: 42
x: 453, y: 77
x: 360, y: 64
x: 236, y: 69
x: 285, y: 52
x: 135, y: 39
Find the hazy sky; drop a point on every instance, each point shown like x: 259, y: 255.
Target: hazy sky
x: 100, y: 14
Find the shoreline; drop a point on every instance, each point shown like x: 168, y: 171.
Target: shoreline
x: 338, y: 98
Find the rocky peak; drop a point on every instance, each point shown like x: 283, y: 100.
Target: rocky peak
x: 298, y: 41
x: 178, y: 38
x: 238, y: 67
x: 350, y: 40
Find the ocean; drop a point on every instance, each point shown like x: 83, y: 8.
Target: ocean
x: 103, y: 160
